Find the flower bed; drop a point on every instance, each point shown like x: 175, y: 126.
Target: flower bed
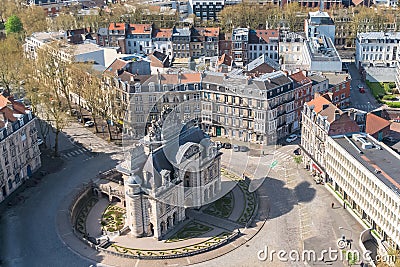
x: 222, y: 207
x: 113, y: 218
x: 190, y: 230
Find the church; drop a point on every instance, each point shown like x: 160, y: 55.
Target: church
x: 174, y: 167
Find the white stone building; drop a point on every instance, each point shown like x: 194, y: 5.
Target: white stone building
x: 365, y: 173
x: 377, y: 49
x: 172, y: 168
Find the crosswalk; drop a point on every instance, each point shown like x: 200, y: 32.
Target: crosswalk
x: 74, y: 152
x: 365, y: 107
x: 278, y: 155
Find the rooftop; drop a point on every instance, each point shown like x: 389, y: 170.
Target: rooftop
x: 375, y: 123
x: 318, y: 18
x: 378, y: 35
x: 315, y: 78
x: 322, y: 49
x: 45, y: 37
x: 336, y: 78
x: 384, y: 160
x: 139, y: 28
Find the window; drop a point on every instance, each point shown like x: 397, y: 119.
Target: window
x: 343, y: 96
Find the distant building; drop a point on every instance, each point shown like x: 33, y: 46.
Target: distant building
x: 206, y: 9
x: 240, y: 42
x: 377, y: 49
x: 20, y: 154
x: 320, y: 84
x: 263, y: 42
x: 181, y: 42
x: 339, y: 89
x: 303, y: 94
x: 291, y: 47
x: 386, y: 3
x: 162, y: 41
x: 139, y: 39
x: 319, y: 23
x: 320, y: 55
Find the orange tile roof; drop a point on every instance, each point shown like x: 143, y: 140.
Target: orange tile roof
x: 375, y: 123
x: 139, y: 28
x: 318, y: 103
x: 395, y: 126
x: 300, y: 77
x: 266, y: 34
x: 209, y: 31
x: 116, y: 26
x: 4, y: 101
x: 163, y: 33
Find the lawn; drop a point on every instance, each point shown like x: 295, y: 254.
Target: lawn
x: 377, y: 89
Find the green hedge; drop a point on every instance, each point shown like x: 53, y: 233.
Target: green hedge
x: 389, y: 97
x: 393, y: 104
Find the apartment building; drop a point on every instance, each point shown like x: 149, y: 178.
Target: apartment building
x: 20, y: 154
x: 210, y: 38
x: 139, y: 39
x: 240, y: 42
x: 303, y: 94
x: 291, y: 46
x: 320, y: 119
x: 397, y: 80
x: 181, y: 42
x: 116, y: 35
x: 338, y: 89
x: 162, y: 41
x: 206, y: 9
x: 364, y: 172
x: 263, y: 42
x: 377, y: 49
x: 256, y: 109
x: 319, y: 23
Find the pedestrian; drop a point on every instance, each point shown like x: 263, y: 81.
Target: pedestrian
x: 333, y: 205
x: 344, y: 205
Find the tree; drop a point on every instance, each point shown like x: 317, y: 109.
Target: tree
x: 13, y: 25
x: 34, y: 19
x: 11, y: 59
x: 298, y: 160
x: 49, y: 91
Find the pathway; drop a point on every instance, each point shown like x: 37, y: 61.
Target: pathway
x: 93, y: 220
x: 213, y: 220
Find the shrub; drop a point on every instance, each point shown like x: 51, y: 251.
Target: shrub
x: 389, y: 97
x: 393, y: 104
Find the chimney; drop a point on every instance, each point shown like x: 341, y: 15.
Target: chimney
x: 115, y: 24
x: 337, y: 114
x: 179, y: 77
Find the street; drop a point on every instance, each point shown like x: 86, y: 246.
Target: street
x: 300, y: 214
x: 364, y: 101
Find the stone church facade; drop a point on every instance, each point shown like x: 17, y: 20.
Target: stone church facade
x: 174, y: 167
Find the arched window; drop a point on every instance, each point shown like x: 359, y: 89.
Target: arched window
x: 10, y: 184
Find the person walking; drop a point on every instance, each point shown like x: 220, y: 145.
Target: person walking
x: 333, y: 205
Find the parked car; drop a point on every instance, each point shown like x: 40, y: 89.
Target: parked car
x: 236, y: 148
x: 89, y: 124
x: 243, y: 148
x: 227, y: 145
x: 361, y: 88
x: 297, y: 152
x: 291, y: 138
x: 39, y: 141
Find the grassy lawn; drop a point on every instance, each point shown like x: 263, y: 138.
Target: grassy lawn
x: 377, y: 89
x: 222, y: 207
x: 190, y: 230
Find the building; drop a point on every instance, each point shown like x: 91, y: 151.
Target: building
x: 320, y: 119
x: 210, y: 38
x: 316, y: 3
x: 320, y: 55
x: 397, y: 81
x: 139, y: 39
x: 240, y: 42
x: 364, y: 173
x: 377, y: 49
x: 386, y: 3
x: 303, y: 90
x: 339, y: 89
x: 377, y: 127
x: 181, y: 42
x: 259, y: 109
x: 319, y: 23
x: 162, y: 41
x: 172, y: 168
x: 38, y: 39
x: 320, y: 84
x: 263, y: 42
x: 206, y: 9
x: 116, y: 35
x: 291, y: 47
x: 19, y: 145
x: 158, y: 60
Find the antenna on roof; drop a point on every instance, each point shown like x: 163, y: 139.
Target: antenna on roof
x: 321, y: 5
